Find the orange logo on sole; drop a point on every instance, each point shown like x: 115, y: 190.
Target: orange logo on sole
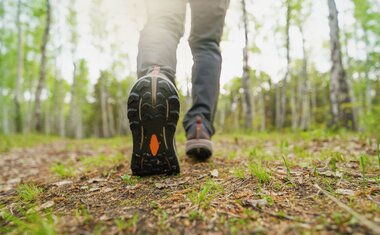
x: 154, y: 145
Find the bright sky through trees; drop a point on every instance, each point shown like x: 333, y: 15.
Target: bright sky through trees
x: 128, y: 17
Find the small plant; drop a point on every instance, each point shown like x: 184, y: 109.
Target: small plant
x: 28, y: 192
x: 29, y: 222
x: 232, y: 155
x: 130, y: 180
x: 252, y: 154
x: 239, y: 173
x: 258, y: 171
x: 63, y: 171
x: 131, y: 223
x: 335, y: 158
x: 83, y: 213
x: 196, y: 215
x: 363, y: 163
x: 287, y: 166
x: 378, y: 152
x: 121, y: 225
x: 101, y: 161
x: 208, y: 192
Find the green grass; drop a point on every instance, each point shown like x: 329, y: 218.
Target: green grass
x: 8, y: 142
x: 378, y: 153
x: 287, y: 166
x: 130, y: 180
x: 258, y: 171
x: 30, y: 222
x: 102, y: 161
x: 63, y: 170
x: 208, y: 192
x: 28, y: 192
x: 363, y: 166
x: 127, y: 225
x: 239, y: 172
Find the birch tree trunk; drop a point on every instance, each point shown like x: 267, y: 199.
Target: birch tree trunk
x: 293, y: 107
x: 42, y: 77
x: 262, y: 110
x: 110, y: 116
x: 245, y: 77
x: 340, y: 100
x: 18, y: 117
x: 282, y: 108
x: 304, y: 95
x: 103, y: 107
x: 73, y: 105
x: 277, y: 88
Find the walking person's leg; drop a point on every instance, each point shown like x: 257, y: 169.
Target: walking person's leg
x: 160, y: 37
x: 206, y: 32
x: 153, y: 104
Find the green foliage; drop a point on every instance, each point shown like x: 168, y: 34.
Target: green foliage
x: 102, y: 161
x: 363, y: 166
x: 208, y: 192
x: 239, y: 172
x: 258, y: 171
x: 27, y: 223
x: 130, y: 180
x: 63, y: 170
x: 7, y: 142
x: 28, y: 192
x: 287, y: 166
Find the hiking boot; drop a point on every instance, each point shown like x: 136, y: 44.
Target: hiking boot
x: 153, y: 112
x: 198, y: 145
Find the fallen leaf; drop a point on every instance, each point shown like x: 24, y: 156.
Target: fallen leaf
x: 46, y: 205
x: 94, y: 180
x: 107, y: 190
x: 342, y: 191
x: 160, y: 185
x: 214, y: 173
x: 64, y: 182
x: 255, y: 203
x: 94, y: 189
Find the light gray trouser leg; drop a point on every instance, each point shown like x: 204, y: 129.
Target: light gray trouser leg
x: 160, y: 37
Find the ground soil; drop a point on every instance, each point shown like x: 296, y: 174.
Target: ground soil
x: 96, y: 200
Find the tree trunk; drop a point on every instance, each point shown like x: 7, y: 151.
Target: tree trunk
x: 103, y: 107
x: 18, y: 118
x: 6, y: 129
x: 340, y: 100
x: 262, y: 110
x: 281, y: 120
x: 73, y: 125
x: 245, y: 77
x: 111, y: 117
x: 304, y: 96
x: 293, y: 107
x: 277, y: 88
x: 42, y: 77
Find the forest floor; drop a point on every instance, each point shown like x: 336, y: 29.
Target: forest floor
x: 265, y: 183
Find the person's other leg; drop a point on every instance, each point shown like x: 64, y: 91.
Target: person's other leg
x: 160, y: 37
x: 206, y: 32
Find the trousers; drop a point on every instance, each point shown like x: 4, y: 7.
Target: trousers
x: 158, y: 47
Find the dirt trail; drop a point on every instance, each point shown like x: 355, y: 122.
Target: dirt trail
x: 223, y: 195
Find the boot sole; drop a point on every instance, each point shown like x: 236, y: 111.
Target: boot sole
x: 153, y: 112
x: 200, y: 149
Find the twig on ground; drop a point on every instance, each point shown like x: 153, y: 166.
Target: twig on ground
x: 237, y: 187
x: 287, y: 217
x: 373, y: 200
x: 363, y: 220
x: 87, y: 206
